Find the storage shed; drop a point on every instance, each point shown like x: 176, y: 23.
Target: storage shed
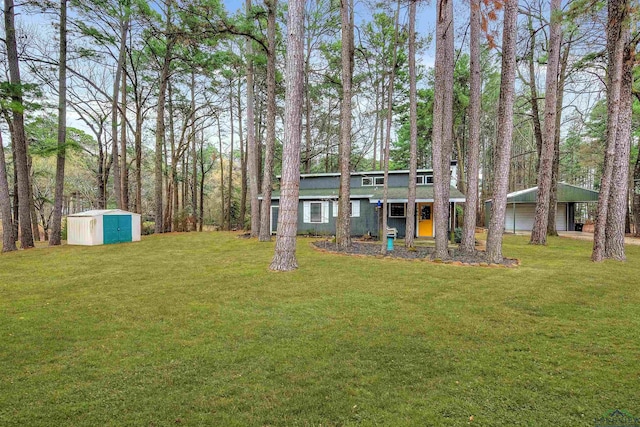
x: 521, y: 207
x: 102, y: 227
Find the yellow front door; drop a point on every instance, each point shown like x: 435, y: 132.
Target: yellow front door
x: 425, y: 219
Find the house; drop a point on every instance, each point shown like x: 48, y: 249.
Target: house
x: 521, y: 207
x: 98, y: 227
x: 318, y: 203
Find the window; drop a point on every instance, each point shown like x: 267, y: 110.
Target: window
x: 369, y: 181
x: 424, y: 179
x: 315, y: 212
x: 397, y: 210
x: 355, y: 209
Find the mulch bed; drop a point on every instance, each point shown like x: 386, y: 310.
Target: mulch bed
x: 422, y: 253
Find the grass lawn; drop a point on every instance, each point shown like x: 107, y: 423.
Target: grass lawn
x: 192, y: 329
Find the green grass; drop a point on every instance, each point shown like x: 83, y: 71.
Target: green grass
x: 192, y: 329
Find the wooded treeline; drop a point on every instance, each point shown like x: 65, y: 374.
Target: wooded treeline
x: 178, y: 109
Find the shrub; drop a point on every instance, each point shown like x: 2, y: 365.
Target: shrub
x: 457, y: 235
x: 181, y: 221
x: 63, y: 232
x: 148, y: 227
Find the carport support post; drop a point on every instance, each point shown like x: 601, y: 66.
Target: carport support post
x: 514, y: 217
x: 452, y: 235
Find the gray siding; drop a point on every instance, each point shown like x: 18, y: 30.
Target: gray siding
x: 314, y: 182
x: 398, y: 223
x: 367, y: 222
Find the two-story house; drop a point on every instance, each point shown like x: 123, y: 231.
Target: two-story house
x: 318, y: 204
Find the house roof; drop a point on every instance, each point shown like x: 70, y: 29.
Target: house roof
x: 99, y: 212
x: 567, y: 193
x: 424, y: 193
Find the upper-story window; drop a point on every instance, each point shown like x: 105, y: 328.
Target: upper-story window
x: 369, y: 181
x: 424, y: 179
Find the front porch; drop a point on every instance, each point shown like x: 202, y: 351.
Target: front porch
x: 424, y: 218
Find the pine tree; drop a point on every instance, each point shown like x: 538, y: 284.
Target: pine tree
x: 505, y: 130
x: 284, y: 258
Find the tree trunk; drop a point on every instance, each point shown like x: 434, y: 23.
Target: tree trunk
x: 504, y: 133
x: 413, y: 130
x: 375, y: 128
x: 616, y: 41
x: 618, y: 199
x: 381, y: 127
x: 160, y: 136
x: 343, y: 221
x: 138, y: 148
x: 172, y: 188
x: 35, y: 226
x: 553, y: 195
x: 194, y: 156
x: 252, y: 149
x: 101, y: 199
x: 387, y: 143
x: 535, y: 113
x: 8, y: 236
x: 243, y: 163
x: 19, y: 138
x: 636, y: 196
x: 307, y: 107
x: 16, y: 198
x: 443, y: 126
x: 265, y: 219
x: 230, y: 188
x: 56, y: 231
x: 468, y: 241
x: 117, y: 183
x: 203, y: 172
x: 284, y: 258
x: 124, y: 173
x: 545, y: 170
x: 222, y: 204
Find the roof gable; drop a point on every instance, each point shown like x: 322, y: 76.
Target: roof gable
x: 566, y: 193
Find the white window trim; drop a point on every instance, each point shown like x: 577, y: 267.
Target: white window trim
x: 355, y: 209
x: 375, y: 180
x: 324, y: 212
x: 424, y: 179
x: 395, y: 216
x: 311, y: 204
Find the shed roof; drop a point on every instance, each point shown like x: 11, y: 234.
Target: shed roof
x: 566, y: 193
x: 100, y: 212
x: 424, y: 193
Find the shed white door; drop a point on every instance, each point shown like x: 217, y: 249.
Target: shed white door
x: 525, y: 214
